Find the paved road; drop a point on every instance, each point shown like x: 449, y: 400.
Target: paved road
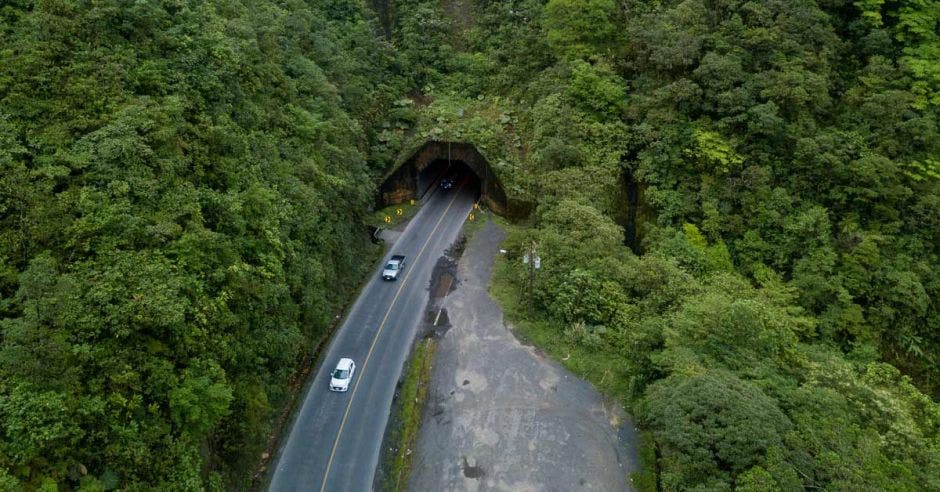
x: 335, y: 441
x: 523, y: 423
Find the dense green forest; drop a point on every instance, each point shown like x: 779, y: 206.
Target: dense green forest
x: 181, y: 201
x: 737, y: 204
x: 775, y: 167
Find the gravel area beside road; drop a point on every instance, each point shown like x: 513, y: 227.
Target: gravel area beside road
x: 500, y: 415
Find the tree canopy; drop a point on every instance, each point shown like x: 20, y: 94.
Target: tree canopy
x: 773, y: 318
x: 182, y: 193
x: 736, y: 203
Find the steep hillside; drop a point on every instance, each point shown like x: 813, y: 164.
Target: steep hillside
x: 774, y: 321
x: 736, y: 203
x: 181, y: 203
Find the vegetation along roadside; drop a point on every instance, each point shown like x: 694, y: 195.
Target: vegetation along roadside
x: 736, y: 205
x: 772, y: 318
x: 405, y: 422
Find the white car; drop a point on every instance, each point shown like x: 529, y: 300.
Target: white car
x: 342, y: 375
x: 394, y: 266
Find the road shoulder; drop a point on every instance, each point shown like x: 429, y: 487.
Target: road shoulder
x: 502, y: 416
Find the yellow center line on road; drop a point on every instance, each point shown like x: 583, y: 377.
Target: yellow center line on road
x: 352, y: 395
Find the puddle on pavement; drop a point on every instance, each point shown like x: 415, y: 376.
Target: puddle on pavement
x: 472, y: 471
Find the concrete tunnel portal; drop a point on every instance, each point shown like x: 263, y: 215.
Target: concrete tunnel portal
x: 424, y: 170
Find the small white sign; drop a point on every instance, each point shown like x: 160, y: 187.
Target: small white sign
x: 538, y: 262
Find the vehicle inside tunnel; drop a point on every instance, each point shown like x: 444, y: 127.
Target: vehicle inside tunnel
x: 442, y: 166
x: 448, y: 176
x: 440, y: 174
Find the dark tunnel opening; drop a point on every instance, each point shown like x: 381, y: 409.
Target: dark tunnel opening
x: 439, y: 174
x: 447, y: 175
x: 435, y: 164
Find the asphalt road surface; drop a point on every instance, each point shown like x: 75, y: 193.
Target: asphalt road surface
x: 503, y: 417
x: 335, y: 440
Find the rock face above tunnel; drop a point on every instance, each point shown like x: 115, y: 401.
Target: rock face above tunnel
x: 405, y: 177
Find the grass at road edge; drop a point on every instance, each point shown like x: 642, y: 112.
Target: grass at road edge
x: 645, y: 479
x: 393, y: 215
x: 410, y: 404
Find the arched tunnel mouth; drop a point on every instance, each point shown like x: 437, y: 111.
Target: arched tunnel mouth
x: 433, y: 166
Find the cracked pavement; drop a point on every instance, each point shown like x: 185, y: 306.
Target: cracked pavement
x: 502, y: 416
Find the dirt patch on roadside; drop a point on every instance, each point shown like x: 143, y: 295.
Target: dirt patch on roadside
x: 436, y: 322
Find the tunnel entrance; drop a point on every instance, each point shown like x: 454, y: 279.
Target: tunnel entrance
x: 436, y: 162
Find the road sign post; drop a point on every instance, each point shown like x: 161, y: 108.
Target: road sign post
x: 532, y: 259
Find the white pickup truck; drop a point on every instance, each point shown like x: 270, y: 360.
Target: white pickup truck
x: 395, y: 265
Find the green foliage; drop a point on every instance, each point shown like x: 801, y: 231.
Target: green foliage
x: 595, y: 89
x: 579, y: 28
x: 645, y: 479
x: 780, y: 175
x: 182, y: 188
x: 580, y: 297
x: 711, y: 426
x: 727, y: 377
x: 917, y: 31
x: 712, y: 154
x: 422, y: 34
x: 783, y: 156
x: 692, y: 251
x: 411, y: 402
